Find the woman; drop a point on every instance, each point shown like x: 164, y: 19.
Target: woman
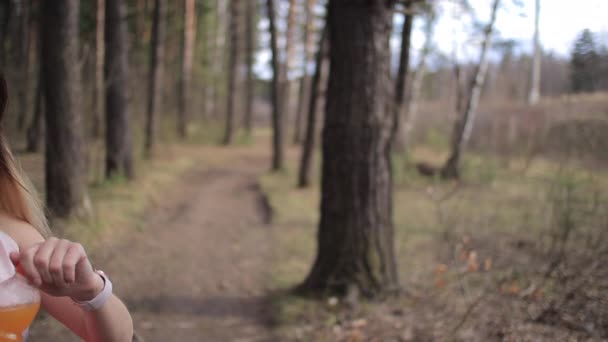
x: 71, y: 291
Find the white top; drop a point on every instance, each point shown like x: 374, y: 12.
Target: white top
x: 7, y: 246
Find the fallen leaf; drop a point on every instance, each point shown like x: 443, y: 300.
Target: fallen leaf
x: 355, y: 336
x: 487, y: 264
x: 472, y: 264
x: 359, y: 323
x: 332, y: 301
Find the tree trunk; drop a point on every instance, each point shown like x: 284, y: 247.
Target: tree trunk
x: 98, y: 94
x: 35, y: 129
x: 250, y: 47
x: 290, y: 57
x: 232, y: 72
x: 218, y: 58
x: 155, y: 76
x: 355, y: 237
x: 403, y: 71
x: 534, y: 93
x: 309, y: 50
x: 277, y: 114
x: 140, y: 21
x: 463, y: 126
x: 187, y: 60
x: 311, y: 120
x: 119, y: 149
x: 22, y: 66
x: 4, y: 21
x: 66, y: 177
x: 416, y: 82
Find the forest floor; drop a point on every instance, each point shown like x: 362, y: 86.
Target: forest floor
x: 212, y: 255
x: 196, y: 267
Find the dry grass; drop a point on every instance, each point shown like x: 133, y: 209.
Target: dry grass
x: 471, y: 255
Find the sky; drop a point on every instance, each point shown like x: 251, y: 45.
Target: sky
x: 560, y: 23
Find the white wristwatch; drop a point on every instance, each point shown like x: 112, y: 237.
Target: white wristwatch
x: 103, y: 296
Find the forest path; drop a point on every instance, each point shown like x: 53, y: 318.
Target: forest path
x: 198, y: 268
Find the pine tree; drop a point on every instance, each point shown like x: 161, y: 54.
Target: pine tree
x: 584, y: 63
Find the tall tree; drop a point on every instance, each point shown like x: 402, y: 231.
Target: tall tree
x: 187, y: 58
x: 21, y: 45
x: 155, y: 76
x: 463, y: 126
x: 35, y: 127
x: 309, y: 50
x: 232, y: 71
x: 5, y: 7
x: 311, y: 119
x: 98, y: 94
x: 290, y: 56
x: 218, y: 56
x: 251, y: 28
x: 140, y: 21
x: 34, y: 130
x: 355, y: 238
x: 417, y: 77
x: 404, y: 66
x: 585, y: 63
x: 534, y: 93
x: 119, y: 146
x: 65, y: 162
x: 277, y: 113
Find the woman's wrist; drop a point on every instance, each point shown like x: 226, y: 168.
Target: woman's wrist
x: 92, y: 290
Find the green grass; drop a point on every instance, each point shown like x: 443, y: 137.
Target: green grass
x: 494, y: 199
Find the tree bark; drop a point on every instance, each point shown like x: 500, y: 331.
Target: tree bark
x: 187, y: 60
x: 98, y: 94
x: 21, y: 46
x: 250, y: 60
x: 534, y: 93
x: 355, y: 237
x: 289, y: 62
x: 65, y: 166
x: 35, y: 128
x: 218, y: 58
x: 119, y: 148
x: 4, y: 21
x: 232, y: 72
x: 463, y: 126
x: 403, y: 71
x: 155, y: 76
x: 309, y: 50
x: 311, y: 119
x: 140, y: 21
x: 416, y: 82
x: 277, y: 113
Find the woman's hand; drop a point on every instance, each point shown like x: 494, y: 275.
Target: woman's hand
x: 60, y: 268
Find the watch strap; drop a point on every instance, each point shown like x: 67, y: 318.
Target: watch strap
x: 101, y: 298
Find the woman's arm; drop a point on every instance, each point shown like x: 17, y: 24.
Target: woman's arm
x: 110, y: 323
x: 63, y: 273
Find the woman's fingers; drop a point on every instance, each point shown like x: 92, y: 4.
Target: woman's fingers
x: 57, y: 267
x: 42, y: 259
x: 56, y: 263
x: 25, y: 259
x: 73, y: 256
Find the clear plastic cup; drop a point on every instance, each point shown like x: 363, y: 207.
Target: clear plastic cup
x: 19, y: 301
x: 19, y: 304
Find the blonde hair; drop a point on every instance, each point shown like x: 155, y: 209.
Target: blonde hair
x: 17, y: 196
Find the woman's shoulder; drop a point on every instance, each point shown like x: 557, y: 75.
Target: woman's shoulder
x: 22, y: 232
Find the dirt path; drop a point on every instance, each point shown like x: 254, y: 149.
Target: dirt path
x: 198, y: 268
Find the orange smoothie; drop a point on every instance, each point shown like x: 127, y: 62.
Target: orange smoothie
x: 15, y: 320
